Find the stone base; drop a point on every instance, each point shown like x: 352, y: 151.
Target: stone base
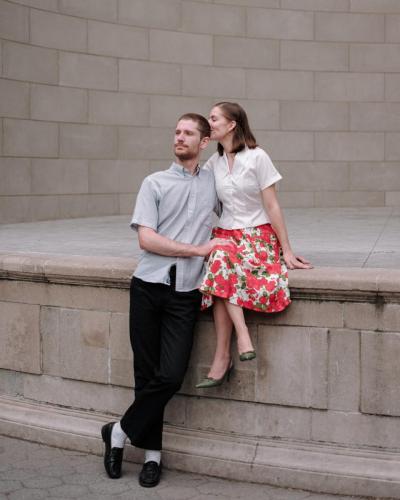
x: 310, y: 466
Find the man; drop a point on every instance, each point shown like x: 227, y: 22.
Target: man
x: 173, y: 217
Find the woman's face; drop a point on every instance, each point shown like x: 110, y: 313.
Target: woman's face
x: 220, y: 126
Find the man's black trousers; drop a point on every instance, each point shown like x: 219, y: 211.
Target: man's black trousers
x: 161, y: 327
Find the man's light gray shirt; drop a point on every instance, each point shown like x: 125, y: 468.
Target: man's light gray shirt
x: 179, y: 206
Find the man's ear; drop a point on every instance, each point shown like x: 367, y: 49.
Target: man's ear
x: 204, y: 142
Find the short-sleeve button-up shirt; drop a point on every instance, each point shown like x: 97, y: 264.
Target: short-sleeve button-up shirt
x: 179, y: 206
x: 239, y: 189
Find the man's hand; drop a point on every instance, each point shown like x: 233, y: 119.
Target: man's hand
x: 208, y: 247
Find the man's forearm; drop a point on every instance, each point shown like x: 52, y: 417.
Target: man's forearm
x: 151, y: 241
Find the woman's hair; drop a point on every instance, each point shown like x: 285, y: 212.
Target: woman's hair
x: 242, y: 134
x: 202, y: 123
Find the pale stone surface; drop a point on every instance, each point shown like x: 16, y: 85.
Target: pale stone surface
x: 92, y: 9
x: 30, y: 138
x: 147, y: 143
x: 112, y: 108
x: 246, y: 52
x: 165, y: 110
x: 393, y: 28
x: 391, y: 317
x: 310, y: 313
x: 296, y: 199
x: 87, y: 71
x: 362, y: 316
x: 19, y: 331
x: 57, y: 31
x: 14, y: 99
x: 349, y: 146
x: 189, y: 48
x: 149, y: 77
x: 51, y: 5
x: 322, y: 5
x: 349, y: 86
x: 375, y: 116
x: 14, y: 209
x: 302, y: 379
x: 392, y: 87
x: 316, y: 176
x: 349, y: 199
x: 285, y: 85
x: 211, y: 81
x: 314, y: 56
x: 350, y: 27
x: 374, y: 176
x: 59, y: 176
x: 163, y: 14
x: 344, y: 370
x: 88, y: 141
x: 280, y: 24
x: 52, y: 103
x: 386, y: 6
x: 15, y: 175
x: 121, y: 358
x: 213, y: 19
x: 287, y: 145
x: 119, y: 41
x: 392, y: 146
x: 14, y: 22
x: 375, y: 57
x: 262, y: 115
x: 314, y: 116
x: 122, y: 175
x: 25, y: 62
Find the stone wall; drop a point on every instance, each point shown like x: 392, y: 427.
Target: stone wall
x: 326, y: 375
x: 89, y: 91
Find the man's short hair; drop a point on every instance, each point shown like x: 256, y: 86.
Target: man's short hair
x: 202, y: 123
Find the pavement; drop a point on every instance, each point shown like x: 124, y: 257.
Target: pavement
x: 31, y: 471
x: 329, y: 237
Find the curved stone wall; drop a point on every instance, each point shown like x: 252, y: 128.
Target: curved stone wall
x: 90, y: 89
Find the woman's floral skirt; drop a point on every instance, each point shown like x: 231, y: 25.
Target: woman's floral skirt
x: 252, y: 275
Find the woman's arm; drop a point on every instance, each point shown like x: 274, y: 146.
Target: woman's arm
x: 275, y: 214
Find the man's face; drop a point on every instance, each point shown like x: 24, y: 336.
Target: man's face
x: 187, y: 143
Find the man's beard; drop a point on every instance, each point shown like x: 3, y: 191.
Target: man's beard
x: 185, y: 155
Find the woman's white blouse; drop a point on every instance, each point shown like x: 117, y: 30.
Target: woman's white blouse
x: 239, y: 190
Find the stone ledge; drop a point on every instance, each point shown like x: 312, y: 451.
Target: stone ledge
x: 312, y: 466
x: 324, y: 283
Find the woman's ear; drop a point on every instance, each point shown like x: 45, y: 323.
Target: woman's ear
x: 232, y: 125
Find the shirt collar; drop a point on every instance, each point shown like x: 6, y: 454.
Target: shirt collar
x: 175, y: 167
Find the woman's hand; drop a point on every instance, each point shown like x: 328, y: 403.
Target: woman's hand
x: 295, y: 262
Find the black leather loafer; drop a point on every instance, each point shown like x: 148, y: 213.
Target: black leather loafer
x: 150, y: 474
x: 112, y: 456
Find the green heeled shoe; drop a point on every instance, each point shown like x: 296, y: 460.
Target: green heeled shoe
x: 247, y: 356
x: 209, y: 382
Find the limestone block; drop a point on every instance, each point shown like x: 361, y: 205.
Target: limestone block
x: 163, y: 14
x: 71, y: 206
x: 213, y: 19
x: 19, y: 331
x: 349, y: 199
x: 393, y: 28
x: 119, y: 41
x: 88, y: 141
x: 314, y: 176
x: 374, y: 176
x: 280, y: 24
x: 149, y: 77
x: 102, y: 204
x: 287, y: 145
x: 126, y: 203
x: 30, y: 138
x: 121, y: 358
x: 60, y: 104
x: 380, y: 6
x: 112, y: 108
x: 175, y: 411
x: 248, y: 419
x: 392, y: 199
x: 349, y: 87
x: 169, y: 46
x: 25, y: 62
x: 375, y: 116
x: 59, y: 176
x: 14, y: 22
x: 314, y: 116
x: 75, y: 343
x: 14, y: 209
x: 391, y: 317
x: 44, y: 207
x: 322, y: 5
x: 273, y: 4
x: 15, y: 175
x: 262, y: 115
x: 246, y: 52
x: 355, y: 429
x: 314, y: 56
x: 311, y: 313
x: 116, y: 176
x: 284, y: 85
x: 392, y: 87
x: 344, y: 370
x: 92, y: 9
x: 51, y: 5
x: 349, y: 146
x: 350, y: 27
x: 86, y: 71
x: 362, y: 316
x: 392, y: 146
x: 294, y: 199
x: 292, y: 366
x: 380, y: 372
x: 57, y: 31
x: 14, y: 99
x: 165, y: 110
x: 375, y: 57
x: 11, y: 382
x: 145, y: 143
x: 213, y: 81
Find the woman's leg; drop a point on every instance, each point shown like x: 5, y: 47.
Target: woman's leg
x: 223, y: 328
x: 242, y: 332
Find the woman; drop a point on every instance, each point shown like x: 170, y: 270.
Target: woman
x: 252, y: 274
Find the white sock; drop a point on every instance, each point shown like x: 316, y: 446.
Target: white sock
x: 118, y: 436
x: 152, y: 456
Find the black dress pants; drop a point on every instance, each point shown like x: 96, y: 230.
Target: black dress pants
x: 161, y: 327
